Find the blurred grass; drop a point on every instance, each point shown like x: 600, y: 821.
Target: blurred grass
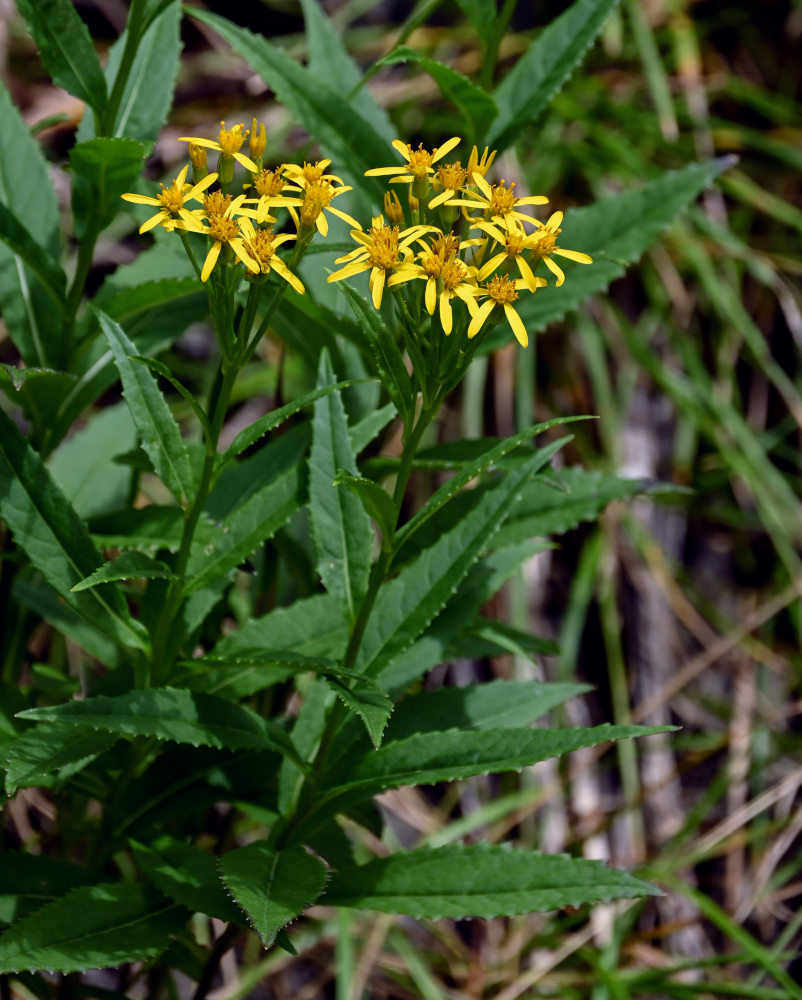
x: 686, y: 613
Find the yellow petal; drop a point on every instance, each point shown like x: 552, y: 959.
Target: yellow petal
x: 154, y: 221
x: 377, y: 278
x: 211, y: 260
x: 246, y: 162
x: 479, y: 317
x: 349, y: 271
x: 140, y: 199
x: 344, y: 216
x: 517, y: 325
x: 447, y: 146
x: 401, y: 147
x: 431, y: 295
x: 446, y: 316
x: 526, y: 273
x: 580, y: 258
x: 482, y: 184
x: 489, y: 266
x: 441, y: 198
x: 277, y: 264
x: 239, y: 249
x: 555, y: 270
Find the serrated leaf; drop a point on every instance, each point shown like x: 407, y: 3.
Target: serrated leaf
x: 92, y: 927
x: 544, y: 67
x: 369, y: 702
x: 160, y: 368
x: 157, y: 429
x: 370, y: 427
x: 494, y: 705
x: 315, y: 105
x: 172, y: 714
x: 407, y: 604
x: 129, y: 565
x: 389, y: 359
x: 476, y: 105
x: 479, y: 880
x: 102, y: 169
x: 55, y: 539
x: 251, y: 434
x: 66, y: 50
x: 485, y: 460
x: 188, y: 876
x: 574, y: 495
x: 50, y: 747
x: 427, y: 758
x: 25, y: 186
x: 377, y: 502
x: 615, y: 231
x: 38, y: 391
x: 29, y: 880
x: 272, y: 887
x: 341, y: 529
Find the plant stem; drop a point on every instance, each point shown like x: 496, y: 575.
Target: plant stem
x: 126, y: 62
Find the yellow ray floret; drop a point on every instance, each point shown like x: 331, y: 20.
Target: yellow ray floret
x: 229, y: 142
x: 171, y: 203
x: 419, y: 161
x: 501, y: 292
x: 498, y: 202
x: 225, y: 229
x: 544, y: 244
x: 261, y: 244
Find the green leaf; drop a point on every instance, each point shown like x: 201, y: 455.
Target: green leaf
x: 92, y: 927
x: 427, y: 758
x: 387, y: 354
x: 25, y: 186
x: 407, y: 604
x: 479, y: 880
x: 250, y: 510
x: 47, y: 748
x: 129, y: 565
x: 272, y: 887
x: 172, y: 714
x: 477, y: 106
x: 574, y: 495
x: 377, y: 501
x: 66, y: 50
x: 251, y: 434
x: 341, y: 529
x: 321, y: 109
x: 485, y: 460
x: 158, y: 431
x: 368, y: 701
x: 55, y: 539
x: 19, y: 241
x: 480, y: 13
x: 615, y: 232
x: 494, y: 705
x: 370, y: 427
x: 160, y: 368
x: 188, y: 876
x: 544, y: 67
x: 102, y: 169
x: 38, y: 391
x: 29, y: 880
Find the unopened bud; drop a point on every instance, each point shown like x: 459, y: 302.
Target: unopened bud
x: 393, y: 209
x: 197, y: 155
x: 258, y: 142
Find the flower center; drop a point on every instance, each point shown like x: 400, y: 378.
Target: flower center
x: 216, y: 203
x: 171, y: 198
x: 231, y: 139
x: 222, y: 228
x: 269, y: 183
x: 501, y: 289
x: 261, y: 246
x: 545, y: 242
x: 431, y: 264
x: 312, y: 172
x: 453, y: 273
x: 452, y: 175
x: 384, y: 252
x: 503, y: 198
x: 515, y: 244
x: 316, y: 197
x: 446, y: 247
x: 420, y: 161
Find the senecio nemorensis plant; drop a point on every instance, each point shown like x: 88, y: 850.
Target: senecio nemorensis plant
x: 242, y: 631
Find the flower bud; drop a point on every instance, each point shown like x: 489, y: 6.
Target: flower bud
x: 393, y: 209
x: 258, y: 142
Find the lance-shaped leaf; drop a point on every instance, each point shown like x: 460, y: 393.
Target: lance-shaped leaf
x: 271, y: 886
x: 316, y: 105
x: 92, y: 927
x: 55, y: 539
x: 389, y: 359
x: 340, y: 527
x: 102, y: 169
x: 408, y: 603
x: 377, y: 501
x: 66, y: 49
x: 188, y: 876
x: 49, y: 747
x: 494, y: 705
x: 479, y: 880
x: 131, y: 564
x: 19, y: 241
x: 157, y: 429
x: 615, y: 232
x: 427, y: 758
x: 172, y: 714
x: 27, y: 881
x: 544, y: 67
x: 476, y: 105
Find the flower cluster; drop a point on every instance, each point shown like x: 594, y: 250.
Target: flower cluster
x: 447, y: 204
x: 472, y: 242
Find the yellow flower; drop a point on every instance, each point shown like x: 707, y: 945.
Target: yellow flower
x: 446, y: 276
x: 317, y: 198
x: 258, y: 141
x: 419, y: 161
x: 516, y: 243
x: 450, y: 177
x: 229, y: 142
x: 544, y: 244
x: 171, y: 203
x: 223, y: 228
x: 261, y: 245
x: 383, y: 249
x: 498, y: 202
x: 500, y: 291
x: 393, y: 209
x: 480, y: 164
x: 311, y: 173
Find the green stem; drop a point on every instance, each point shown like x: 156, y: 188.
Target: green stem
x: 86, y: 252
x: 132, y: 37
